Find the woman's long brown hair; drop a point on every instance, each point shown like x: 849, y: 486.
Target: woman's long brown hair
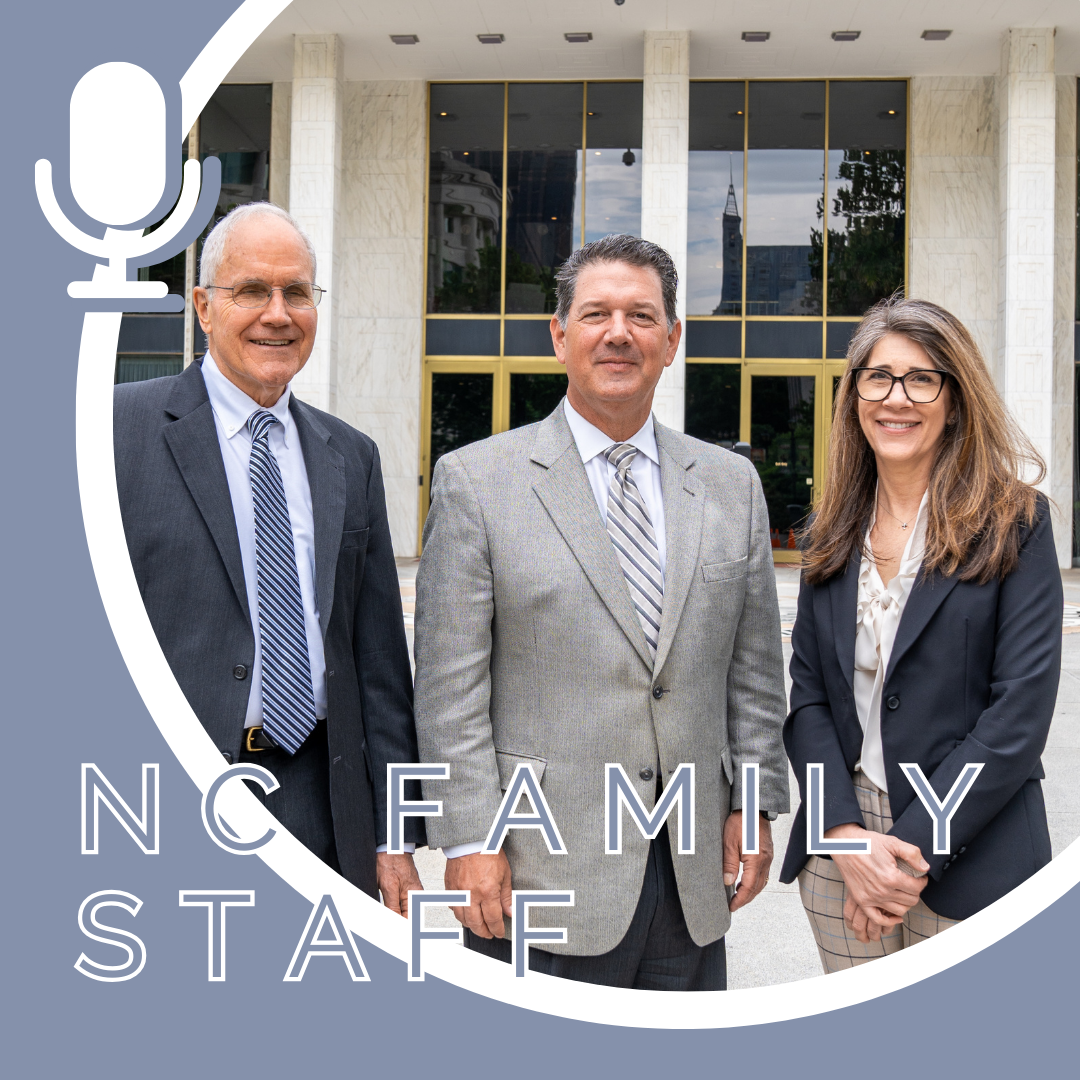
x: 978, y: 499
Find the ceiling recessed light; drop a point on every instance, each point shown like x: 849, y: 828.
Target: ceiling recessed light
x: 491, y: 39
x: 596, y: 152
x: 756, y: 35
x: 935, y: 35
x: 578, y: 38
x: 846, y: 35
x: 554, y: 219
x: 404, y: 39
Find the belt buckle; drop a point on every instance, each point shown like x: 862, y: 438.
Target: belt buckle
x: 249, y: 739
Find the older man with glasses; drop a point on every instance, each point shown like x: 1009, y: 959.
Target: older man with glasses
x: 258, y: 533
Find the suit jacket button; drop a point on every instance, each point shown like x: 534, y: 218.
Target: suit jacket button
x: 658, y: 692
x: 227, y: 756
x: 893, y: 702
x: 961, y: 851
x: 240, y: 671
x: 646, y: 774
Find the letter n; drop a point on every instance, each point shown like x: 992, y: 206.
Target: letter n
x: 96, y: 790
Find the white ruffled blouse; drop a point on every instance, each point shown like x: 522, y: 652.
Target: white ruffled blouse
x: 877, y: 620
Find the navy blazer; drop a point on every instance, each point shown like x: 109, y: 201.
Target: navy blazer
x: 973, y: 677
x: 181, y: 534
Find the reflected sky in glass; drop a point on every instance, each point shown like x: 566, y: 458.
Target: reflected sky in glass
x: 612, y: 193
x: 715, y: 186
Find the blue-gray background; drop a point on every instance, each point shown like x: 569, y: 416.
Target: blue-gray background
x: 67, y: 698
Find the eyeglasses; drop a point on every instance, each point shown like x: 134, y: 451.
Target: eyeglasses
x: 921, y: 386
x: 255, y: 294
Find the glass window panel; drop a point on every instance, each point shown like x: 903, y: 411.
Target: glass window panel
x: 783, y: 340
x: 714, y: 246
x: 782, y: 448
x: 465, y: 193
x: 712, y: 338
x: 784, y: 201
x: 713, y: 397
x: 533, y: 397
x: 141, y: 368
x: 462, y: 337
x: 837, y: 336
x: 544, y: 129
x: 527, y: 337
x: 867, y: 134
x: 460, y: 412
x: 613, y: 160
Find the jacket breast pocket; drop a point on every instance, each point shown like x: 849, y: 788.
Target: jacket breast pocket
x: 509, y: 761
x: 725, y: 571
x: 354, y: 540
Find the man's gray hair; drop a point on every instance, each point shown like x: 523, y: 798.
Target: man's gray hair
x: 214, y: 246
x: 619, y: 247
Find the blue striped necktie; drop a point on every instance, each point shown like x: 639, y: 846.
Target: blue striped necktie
x: 288, y: 702
x: 634, y: 538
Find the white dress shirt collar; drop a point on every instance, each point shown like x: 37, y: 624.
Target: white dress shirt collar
x: 592, y: 441
x: 234, y: 408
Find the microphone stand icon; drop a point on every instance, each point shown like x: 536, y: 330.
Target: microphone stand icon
x: 118, y: 114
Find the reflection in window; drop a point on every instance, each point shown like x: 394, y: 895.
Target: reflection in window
x: 613, y: 160
x: 533, y: 397
x: 460, y: 412
x: 782, y: 449
x: 785, y: 184
x: 544, y: 129
x: 867, y: 136
x: 465, y: 193
x: 713, y: 397
x: 714, y: 240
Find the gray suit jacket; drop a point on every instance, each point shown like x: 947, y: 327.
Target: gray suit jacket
x: 528, y: 650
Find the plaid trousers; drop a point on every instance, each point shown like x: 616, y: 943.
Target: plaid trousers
x: 823, y: 892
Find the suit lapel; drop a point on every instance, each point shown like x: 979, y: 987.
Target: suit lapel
x: 927, y: 594
x: 566, y: 494
x: 192, y: 438
x: 683, y: 515
x: 326, y: 477
x: 844, y: 602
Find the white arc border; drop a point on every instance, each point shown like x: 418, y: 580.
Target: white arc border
x: 310, y: 876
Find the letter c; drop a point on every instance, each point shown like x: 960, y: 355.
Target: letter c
x: 217, y: 828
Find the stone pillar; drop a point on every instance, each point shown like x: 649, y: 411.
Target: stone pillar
x: 953, y: 201
x: 381, y: 291
x: 1061, y: 464
x: 665, y: 142
x: 280, y: 143
x: 1026, y: 168
x: 314, y: 193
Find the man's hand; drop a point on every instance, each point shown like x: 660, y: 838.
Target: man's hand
x: 396, y: 875
x: 879, y: 893
x: 755, y: 868
x: 487, y: 877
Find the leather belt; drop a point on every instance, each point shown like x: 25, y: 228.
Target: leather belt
x: 257, y: 739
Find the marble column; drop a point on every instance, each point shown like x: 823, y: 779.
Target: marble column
x: 314, y: 193
x: 1061, y: 462
x: 381, y: 291
x: 280, y: 143
x: 665, y: 142
x: 1026, y: 166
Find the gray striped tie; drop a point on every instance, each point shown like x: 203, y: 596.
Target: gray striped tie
x: 631, y: 531
x: 288, y: 700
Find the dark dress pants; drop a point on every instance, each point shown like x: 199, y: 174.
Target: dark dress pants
x: 657, y: 952
x: 302, y: 803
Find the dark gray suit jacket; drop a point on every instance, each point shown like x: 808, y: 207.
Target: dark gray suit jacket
x: 174, y: 498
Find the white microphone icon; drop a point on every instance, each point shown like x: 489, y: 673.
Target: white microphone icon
x: 120, y: 151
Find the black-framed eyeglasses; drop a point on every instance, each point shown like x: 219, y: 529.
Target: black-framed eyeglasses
x: 921, y: 386
x: 257, y: 294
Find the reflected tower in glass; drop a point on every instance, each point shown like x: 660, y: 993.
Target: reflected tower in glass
x: 465, y: 198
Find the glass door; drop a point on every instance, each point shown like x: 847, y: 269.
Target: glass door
x: 782, y: 422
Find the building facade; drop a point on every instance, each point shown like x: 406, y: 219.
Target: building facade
x: 795, y: 178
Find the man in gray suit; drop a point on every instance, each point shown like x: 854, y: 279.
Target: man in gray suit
x: 258, y: 535
x: 598, y: 588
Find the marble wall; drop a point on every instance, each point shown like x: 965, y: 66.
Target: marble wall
x: 381, y: 291
x: 953, y: 200
x: 280, y: 143
x: 664, y: 175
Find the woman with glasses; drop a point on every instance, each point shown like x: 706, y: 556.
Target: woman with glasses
x: 926, y: 650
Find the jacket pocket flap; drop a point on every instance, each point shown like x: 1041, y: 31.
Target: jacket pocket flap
x: 351, y: 539
x: 725, y: 571
x: 725, y: 758
x: 508, y: 761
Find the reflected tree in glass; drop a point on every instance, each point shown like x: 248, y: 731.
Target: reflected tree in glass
x: 460, y: 411
x: 713, y: 398
x: 533, y: 396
